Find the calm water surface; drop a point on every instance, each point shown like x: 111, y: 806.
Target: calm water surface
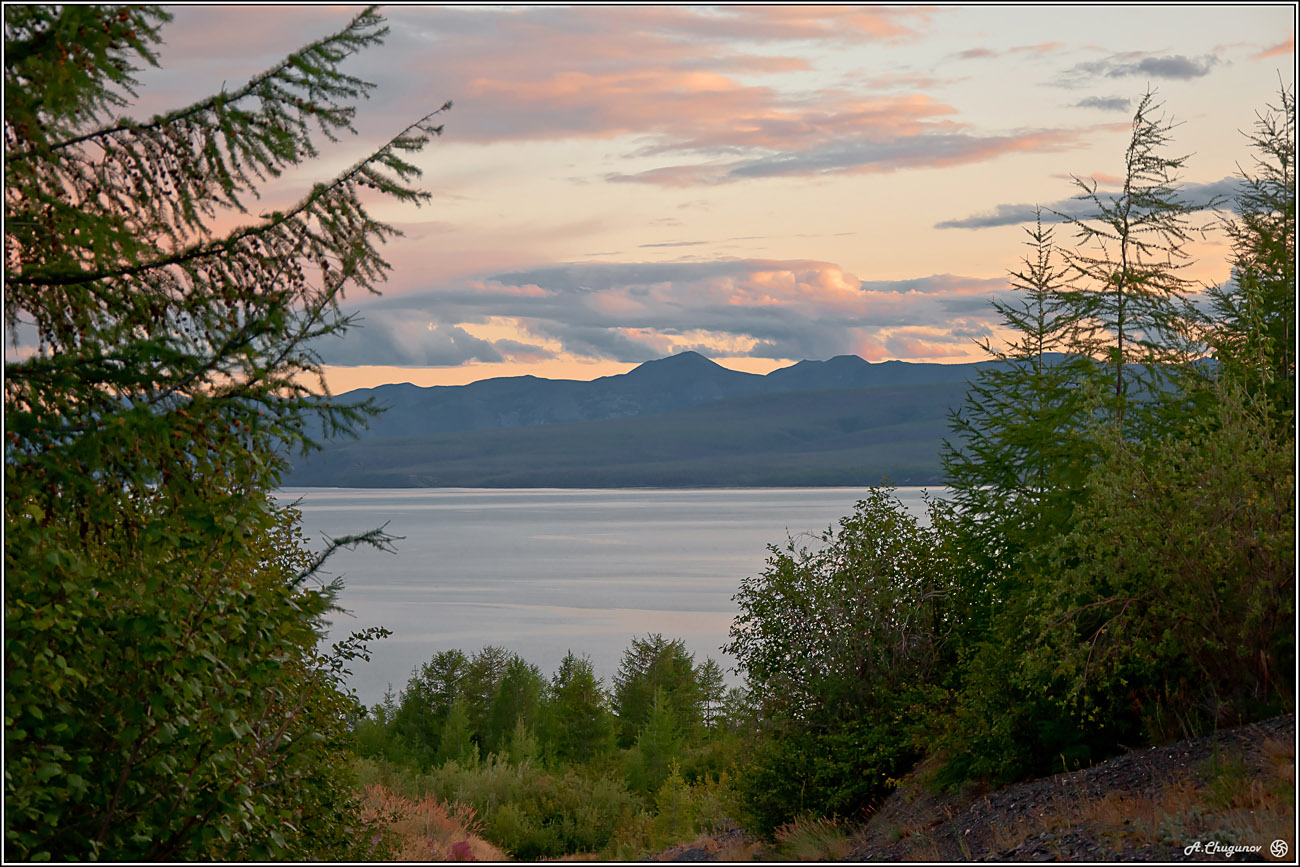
x: 543, y: 571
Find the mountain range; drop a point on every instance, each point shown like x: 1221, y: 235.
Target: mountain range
x: 681, y: 421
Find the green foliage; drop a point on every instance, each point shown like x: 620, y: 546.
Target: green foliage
x: 838, y: 643
x: 534, y: 814
x: 713, y: 690
x: 1023, y: 452
x: 483, y: 675
x: 163, y: 706
x: 1119, y: 566
x: 676, y: 812
x: 516, y: 702
x: 1131, y: 309
x: 651, y: 665
x: 1173, y: 609
x: 481, y: 697
x: 1143, y: 606
x: 657, y: 743
x: 1020, y: 453
x: 1254, y: 333
x: 556, y: 783
x: 164, y: 697
x: 578, y: 724
x: 455, y: 742
x: 867, y: 609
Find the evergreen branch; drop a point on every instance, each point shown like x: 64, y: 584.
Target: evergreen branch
x: 352, y: 38
x: 361, y: 172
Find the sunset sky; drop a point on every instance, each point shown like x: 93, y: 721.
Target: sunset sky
x: 761, y: 184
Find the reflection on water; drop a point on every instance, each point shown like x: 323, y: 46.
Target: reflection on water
x: 545, y: 571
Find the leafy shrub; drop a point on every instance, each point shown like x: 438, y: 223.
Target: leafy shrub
x: 533, y: 814
x: 842, y: 647
x: 1173, y: 610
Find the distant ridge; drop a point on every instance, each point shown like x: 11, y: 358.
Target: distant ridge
x: 662, y: 385
x: 681, y: 421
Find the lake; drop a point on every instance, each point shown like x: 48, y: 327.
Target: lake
x: 545, y: 571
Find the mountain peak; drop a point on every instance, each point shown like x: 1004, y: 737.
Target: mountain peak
x: 682, y: 361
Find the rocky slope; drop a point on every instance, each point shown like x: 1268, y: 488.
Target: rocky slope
x: 1212, y: 798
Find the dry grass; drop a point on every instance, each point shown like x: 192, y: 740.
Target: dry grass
x: 1238, y: 802
x: 724, y: 848
x: 1242, y: 799
x: 925, y: 851
x: 1014, y: 832
x: 428, y: 830
x: 813, y: 840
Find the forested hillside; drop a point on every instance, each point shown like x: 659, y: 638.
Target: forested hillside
x: 856, y: 436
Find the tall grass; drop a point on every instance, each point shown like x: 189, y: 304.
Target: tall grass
x: 529, y: 812
x: 427, y: 829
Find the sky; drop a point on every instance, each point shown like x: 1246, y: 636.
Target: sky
x: 761, y: 184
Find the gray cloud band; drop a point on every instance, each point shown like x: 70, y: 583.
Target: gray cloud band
x: 1224, y: 190
x: 633, y: 311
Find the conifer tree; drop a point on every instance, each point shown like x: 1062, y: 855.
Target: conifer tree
x: 1132, y: 311
x: 712, y: 689
x: 657, y: 742
x: 579, y: 720
x: 164, y: 696
x: 479, y: 685
x: 1254, y: 331
x: 1018, y: 456
x: 516, y: 700
x: 650, y: 664
x: 455, y: 743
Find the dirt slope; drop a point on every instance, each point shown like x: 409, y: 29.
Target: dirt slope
x: 1236, y: 789
x: 1212, y: 798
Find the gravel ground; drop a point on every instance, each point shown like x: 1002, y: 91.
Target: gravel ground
x: 1055, y: 818
x: 1032, y: 821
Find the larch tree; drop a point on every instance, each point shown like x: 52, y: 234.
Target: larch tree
x: 164, y: 694
x: 1164, y: 609
x: 1017, y: 457
x: 1130, y: 259
x: 650, y: 664
x: 1254, y: 333
x: 580, y: 722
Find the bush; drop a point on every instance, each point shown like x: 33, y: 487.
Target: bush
x: 842, y: 647
x: 1174, y: 607
x: 533, y: 814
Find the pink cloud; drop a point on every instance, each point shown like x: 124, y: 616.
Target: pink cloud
x: 1286, y: 46
x: 1040, y: 48
x: 787, y: 21
x: 920, y: 349
x: 693, y: 110
x: 816, y: 282
x: 678, y: 73
x: 632, y: 311
x: 679, y: 77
